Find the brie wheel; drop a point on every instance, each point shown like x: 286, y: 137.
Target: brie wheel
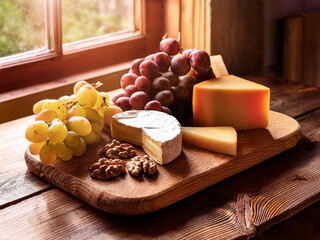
x: 158, y: 133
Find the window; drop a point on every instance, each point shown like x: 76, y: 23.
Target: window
x: 83, y: 19
x: 44, y: 40
x: 18, y: 19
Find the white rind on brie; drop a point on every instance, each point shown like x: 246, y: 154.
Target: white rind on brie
x: 158, y: 133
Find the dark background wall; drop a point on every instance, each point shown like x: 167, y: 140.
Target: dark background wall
x: 249, y: 33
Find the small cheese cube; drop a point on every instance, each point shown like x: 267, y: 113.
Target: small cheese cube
x: 217, y: 139
x: 231, y: 101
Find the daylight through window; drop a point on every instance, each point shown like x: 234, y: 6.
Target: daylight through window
x: 32, y: 26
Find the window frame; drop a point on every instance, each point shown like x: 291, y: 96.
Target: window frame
x: 61, y: 63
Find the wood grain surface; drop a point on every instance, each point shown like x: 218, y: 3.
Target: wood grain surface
x: 194, y: 170
x: 31, y: 208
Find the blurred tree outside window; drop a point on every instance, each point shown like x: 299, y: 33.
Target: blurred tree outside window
x: 82, y: 19
x: 23, y: 25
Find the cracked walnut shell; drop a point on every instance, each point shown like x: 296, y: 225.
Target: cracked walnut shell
x: 107, y: 168
x: 115, y: 149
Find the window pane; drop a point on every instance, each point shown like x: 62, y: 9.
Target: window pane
x: 22, y: 26
x: 82, y: 19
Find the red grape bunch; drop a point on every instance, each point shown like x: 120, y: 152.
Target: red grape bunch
x: 164, y: 81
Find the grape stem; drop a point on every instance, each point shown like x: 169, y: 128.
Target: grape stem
x: 70, y: 104
x: 97, y: 84
x: 165, y: 36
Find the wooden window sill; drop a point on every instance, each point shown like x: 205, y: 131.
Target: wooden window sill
x: 18, y: 103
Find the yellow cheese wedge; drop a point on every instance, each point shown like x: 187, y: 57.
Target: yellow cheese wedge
x: 231, y: 101
x: 218, y: 139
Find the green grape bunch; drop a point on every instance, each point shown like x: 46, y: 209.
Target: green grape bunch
x: 64, y: 127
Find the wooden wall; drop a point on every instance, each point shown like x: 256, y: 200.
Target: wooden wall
x: 276, y: 11
x: 237, y: 33
x: 249, y: 33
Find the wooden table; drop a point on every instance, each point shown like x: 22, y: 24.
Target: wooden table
x: 243, y: 206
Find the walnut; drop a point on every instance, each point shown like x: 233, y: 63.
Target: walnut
x: 139, y: 164
x: 149, y: 166
x: 107, y: 168
x: 115, y: 149
x: 134, y: 167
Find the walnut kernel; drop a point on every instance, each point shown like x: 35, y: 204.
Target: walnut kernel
x: 141, y: 164
x: 107, y: 168
x: 115, y: 149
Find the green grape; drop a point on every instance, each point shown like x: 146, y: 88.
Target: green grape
x: 96, y: 126
x: 47, y: 115
x: 55, y: 120
x: 80, y: 125
x: 80, y: 149
x: 76, y: 110
x: 64, y: 99
x: 72, y: 140
x: 92, y: 137
x: 109, y: 112
x: 93, y: 115
x: 87, y: 96
x: 37, y: 131
x: 60, y: 148
x: 78, y: 85
x: 105, y: 98
x: 34, y: 148
x: 66, y: 156
x: 57, y: 132
x: 98, y: 101
x: 100, y: 111
x: 48, y: 154
x: 57, y: 106
x: 37, y: 107
x: 73, y: 97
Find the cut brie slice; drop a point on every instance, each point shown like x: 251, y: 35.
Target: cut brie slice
x: 158, y: 133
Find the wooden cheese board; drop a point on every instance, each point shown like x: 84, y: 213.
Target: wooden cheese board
x: 194, y: 170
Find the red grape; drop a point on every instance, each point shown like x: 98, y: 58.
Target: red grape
x: 149, y: 69
x: 200, y: 61
x: 139, y: 99
x: 170, y: 46
x: 172, y: 77
x: 123, y: 103
x: 160, y: 83
x: 187, y: 52
x: 163, y: 61
x: 180, y: 65
x: 166, y: 110
x: 153, y: 105
x: 180, y: 94
x: 204, y: 76
x: 129, y: 90
x: 188, y: 82
x: 135, y: 66
x: 114, y: 99
x: 143, y: 84
x: 150, y: 57
x: 128, y: 79
x: 165, y: 97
